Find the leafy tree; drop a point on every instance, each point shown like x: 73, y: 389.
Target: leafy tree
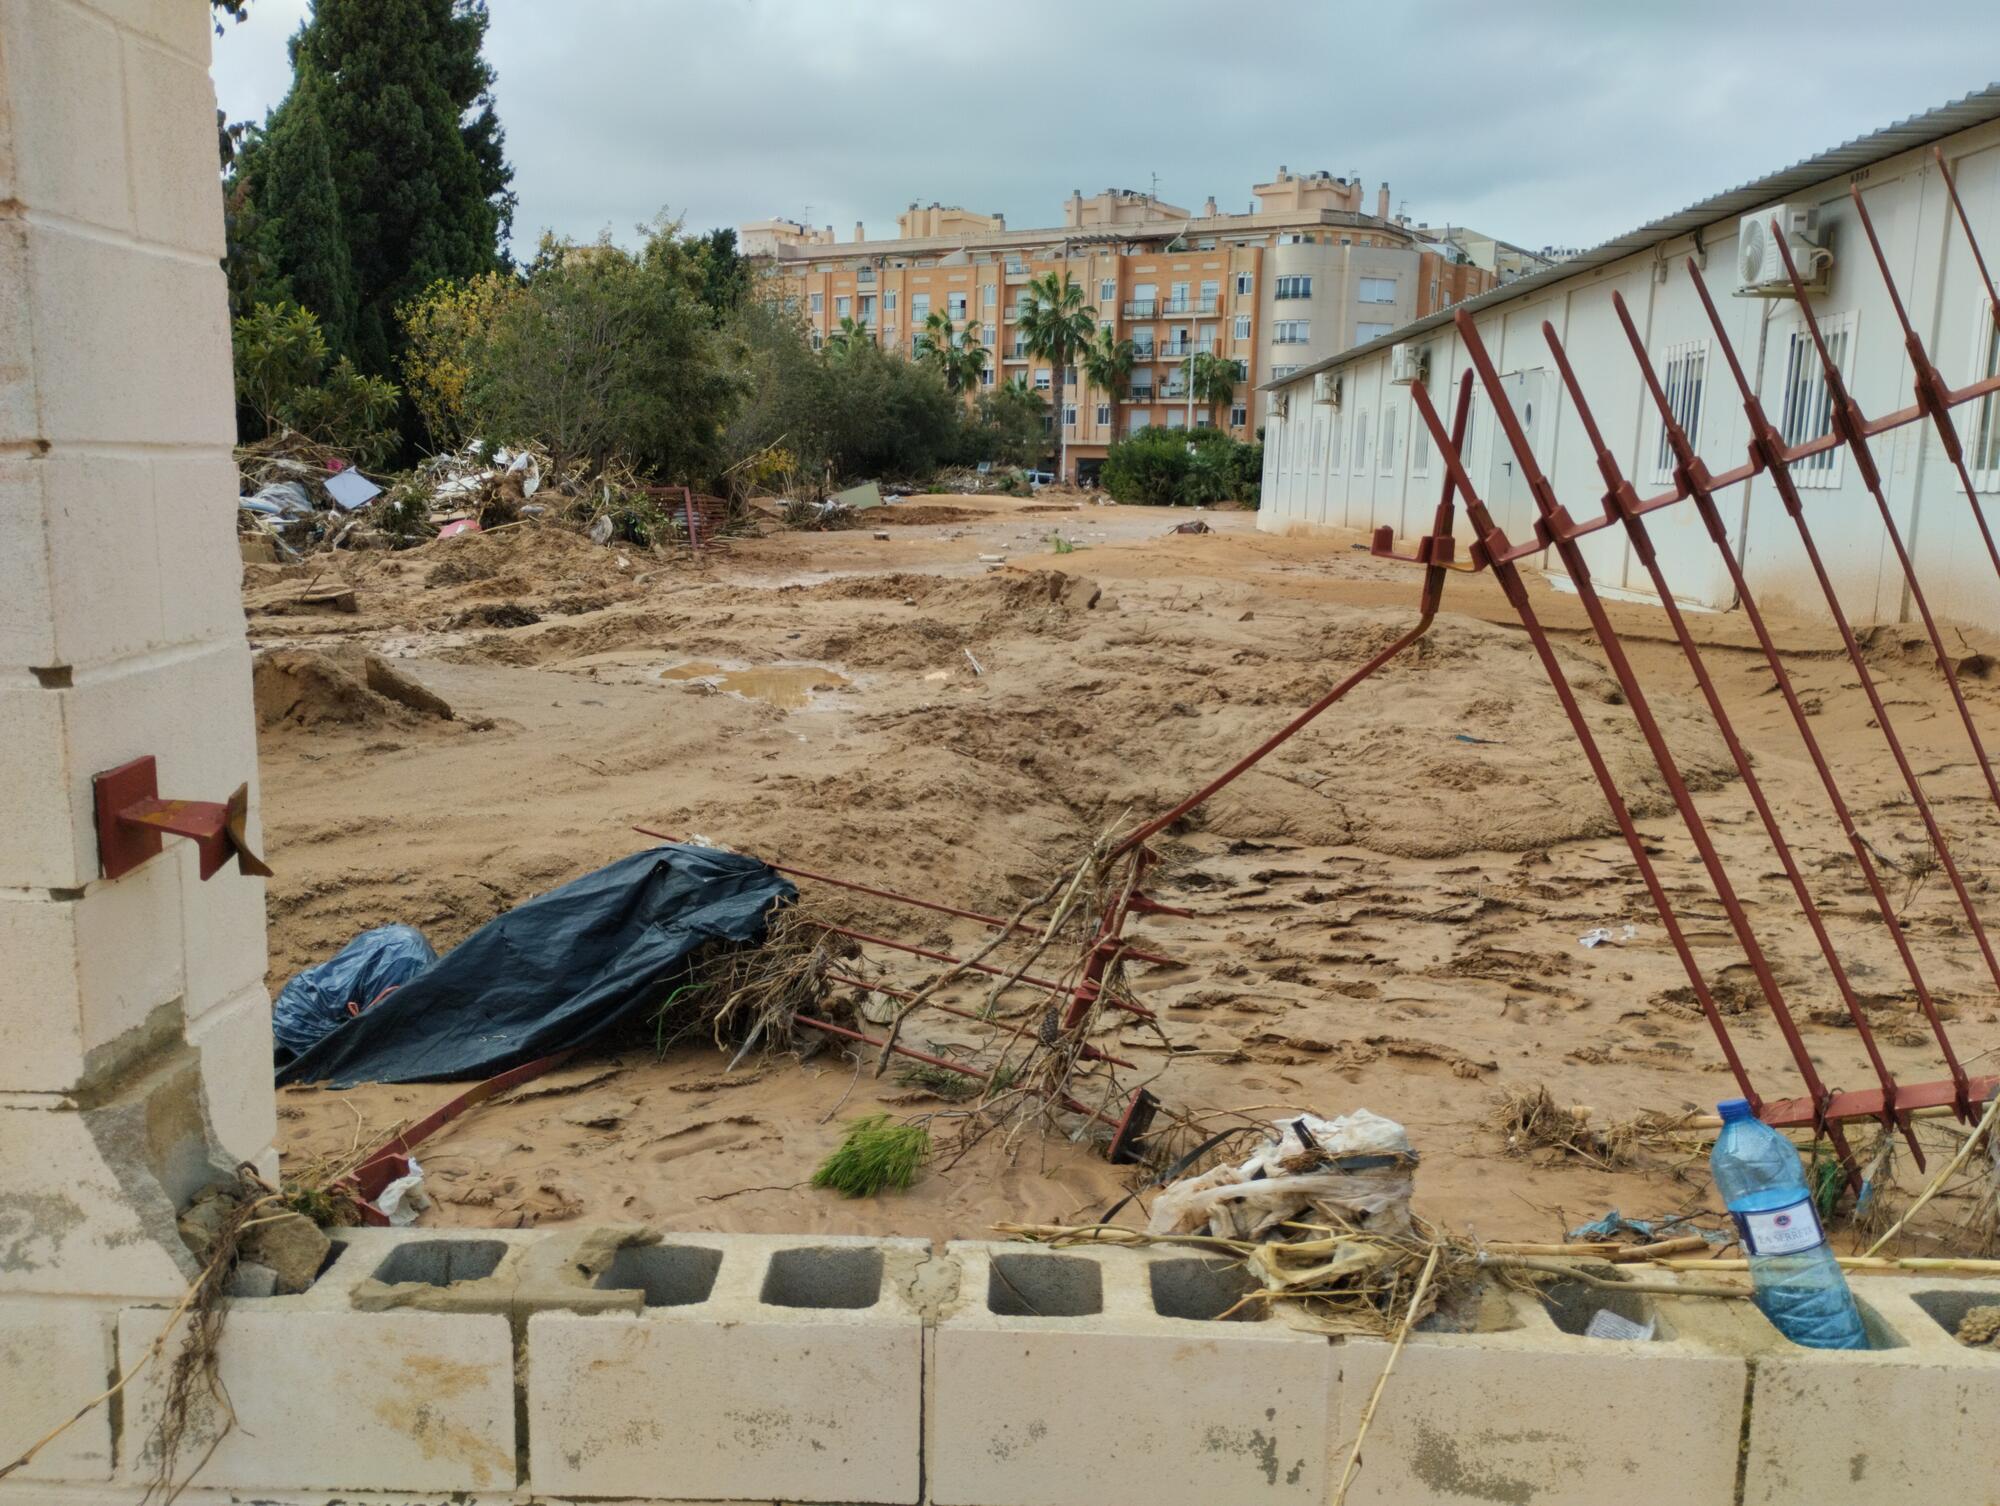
x: 281, y: 377
x: 439, y: 330
x: 1107, y: 364
x: 604, y: 354
x: 404, y: 104
x: 1212, y: 379
x: 888, y: 417
x: 723, y: 275
x: 1056, y: 326
x: 1009, y: 426
x: 785, y: 387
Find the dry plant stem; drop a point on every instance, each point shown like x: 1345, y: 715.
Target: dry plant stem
x: 1375, y: 1396
x: 896, y: 1025
x: 1649, y: 1288
x: 1937, y: 1182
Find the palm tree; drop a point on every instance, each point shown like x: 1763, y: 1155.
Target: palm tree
x: 847, y: 337
x: 1212, y: 380
x: 957, y: 355
x: 1056, y: 326
x: 1106, y: 364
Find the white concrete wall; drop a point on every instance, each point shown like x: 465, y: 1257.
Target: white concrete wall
x: 1308, y: 484
x: 525, y: 1366
x: 134, y: 1029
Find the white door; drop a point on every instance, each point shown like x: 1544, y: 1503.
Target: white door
x: 1507, y: 491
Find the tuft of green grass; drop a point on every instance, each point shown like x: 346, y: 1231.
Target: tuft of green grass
x: 954, y: 1086
x: 875, y: 1153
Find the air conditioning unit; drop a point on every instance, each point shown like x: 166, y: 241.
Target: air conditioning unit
x: 1409, y: 364
x: 1326, y: 387
x: 1760, y: 269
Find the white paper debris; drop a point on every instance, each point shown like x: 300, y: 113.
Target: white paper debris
x: 1607, y: 1324
x: 350, y: 489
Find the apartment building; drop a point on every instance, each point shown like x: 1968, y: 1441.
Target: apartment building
x: 1301, y: 274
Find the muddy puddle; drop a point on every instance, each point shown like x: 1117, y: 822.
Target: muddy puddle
x: 790, y: 687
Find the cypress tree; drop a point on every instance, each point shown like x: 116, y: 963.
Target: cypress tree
x: 300, y: 203
x: 415, y: 152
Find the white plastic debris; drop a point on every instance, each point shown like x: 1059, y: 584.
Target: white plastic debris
x: 1606, y: 1324
x: 1605, y: 936
x: 403, y: 1199
x: 601, y: 529
x: 350, y: 489
x: 1358, y: 1170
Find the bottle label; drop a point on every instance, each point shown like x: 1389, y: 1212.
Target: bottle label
x: 1790, y: 1230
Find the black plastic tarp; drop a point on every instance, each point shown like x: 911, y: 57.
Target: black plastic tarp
x: 565, y: 969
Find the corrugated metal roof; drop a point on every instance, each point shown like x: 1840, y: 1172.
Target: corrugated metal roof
x: 1974, y: 109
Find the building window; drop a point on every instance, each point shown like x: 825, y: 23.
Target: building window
x: 1291, y: 332
x: 1069, y: 415
x: 1107, y: 290
x: 954, y: 306
x: 818, y: 302
x: 1279, y: 373
x: 889, y: 301
x: 1104, y: 415
x: 1365, y: 331
x: 1176, y: 418
x: 986, y: 376
x: 1239, y: 415
x: 1246, y: 283
x: 1299, y: 287
x: 920, y: 308
x: 1808, y: 406
x: 1375, y: 289
x: 1069, y: 376
x: 1211, y: 294
x: 1985, y: 444
x: 867, y: 308
x: 1141, y: 422
x: 1015, y: 266
x: 1242, y: 327
x: 1685, y: 377
x: 1361, y: 432
x: 1203, y: 421
x: 865, y: 276
x: 842, y: 306
x: 1420, y: 450
x: 1041, y: 379
x: 1388, y: 441
x: 988, y: 293
x: 1142, y: 345
x: 815, y: 340
x: 986, y: 335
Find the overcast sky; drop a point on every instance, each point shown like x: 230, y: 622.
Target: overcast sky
x: 1545, y: 122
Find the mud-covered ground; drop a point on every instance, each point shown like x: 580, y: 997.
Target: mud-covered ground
x: 1389, y: 907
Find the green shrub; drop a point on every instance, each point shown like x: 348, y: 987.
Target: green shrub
x: 1182, y: 467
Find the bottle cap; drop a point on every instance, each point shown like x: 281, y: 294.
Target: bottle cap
x: 1734, y: 1110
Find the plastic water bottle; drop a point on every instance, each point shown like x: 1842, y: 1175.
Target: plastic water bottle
x: 1799, y: 1283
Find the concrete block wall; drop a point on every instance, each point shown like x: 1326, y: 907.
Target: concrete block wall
x: 134, y: 1032
x: 617, y: 1365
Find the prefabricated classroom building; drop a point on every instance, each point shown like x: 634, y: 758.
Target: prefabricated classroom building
x: 1344, y: 448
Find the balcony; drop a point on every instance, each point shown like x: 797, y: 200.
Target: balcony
x: 1178, y: 348
x: 1145, y: 308
x: 1191, y: 305
x: 1139, y: 395
x: 1142, y: 353
x: 1174, y: 392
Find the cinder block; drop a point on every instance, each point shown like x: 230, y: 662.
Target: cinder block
x: 188, y: 708
x: 176, y: 197
x: 1537, y: 1414
x: 797, y: 1377
x: 54, y: 1357
x: 86, y: 979
x: 1906, y: 1422
x: 167, y: 22
x: 404, y: 1401
x: 27, y: 614
x: 83, y: 1210
x: 131, y: 345
x: 103, y: 555
x: 20, y: 415
x: 235, y: 1045
x: 1064, y: 1378
x: 66, y: 108
x: 195, y: 552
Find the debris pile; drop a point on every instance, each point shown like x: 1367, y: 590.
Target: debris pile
x: 307, y: 688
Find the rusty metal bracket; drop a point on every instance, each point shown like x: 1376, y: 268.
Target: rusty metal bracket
x: 132, y: 822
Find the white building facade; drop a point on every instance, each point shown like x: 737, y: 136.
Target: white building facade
x: 1344, y: 448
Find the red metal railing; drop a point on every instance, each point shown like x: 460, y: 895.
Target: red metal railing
x: 1695, y: 485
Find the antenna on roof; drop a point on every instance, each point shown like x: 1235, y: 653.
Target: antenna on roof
x: 1155, y: 194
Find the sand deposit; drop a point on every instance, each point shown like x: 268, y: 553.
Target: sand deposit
x: 1388, y: 909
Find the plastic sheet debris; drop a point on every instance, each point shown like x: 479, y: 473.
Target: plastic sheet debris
x: 350, y: 489
x: 281, y: 499
x: 458, y: 526
x: 858, y: 498
x: 328, y: 995
x: 1606, y: 1324
x: 1357, y: 1170
x: 404, y: 1199
x: 1645, y: 1230
x: 1606, y: 936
